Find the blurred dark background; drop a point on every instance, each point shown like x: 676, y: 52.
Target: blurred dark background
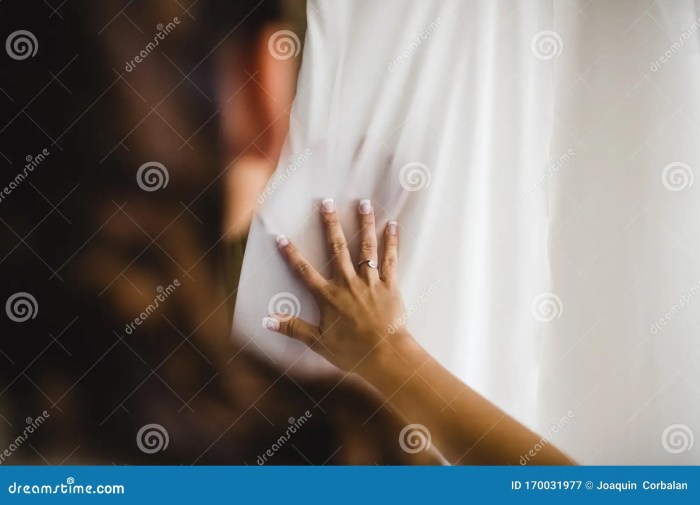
x: 89, y: 242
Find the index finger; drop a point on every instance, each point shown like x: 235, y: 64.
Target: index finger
x: 306, y: 272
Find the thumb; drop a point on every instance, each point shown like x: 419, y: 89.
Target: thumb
x: 293, y: 327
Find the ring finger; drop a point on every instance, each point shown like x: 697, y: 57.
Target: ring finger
x: 368, y: 242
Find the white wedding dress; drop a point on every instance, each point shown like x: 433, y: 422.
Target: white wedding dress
x: 540, y: 159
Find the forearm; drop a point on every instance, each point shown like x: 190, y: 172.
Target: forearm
x: 356, y: 306
x: 464, y: 426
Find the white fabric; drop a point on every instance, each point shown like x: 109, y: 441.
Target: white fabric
x: 555, y: 230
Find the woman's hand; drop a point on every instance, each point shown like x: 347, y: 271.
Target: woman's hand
x: 359, y: 331
x: 360, y: 307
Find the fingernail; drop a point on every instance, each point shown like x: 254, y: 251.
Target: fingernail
x: 365, y: 207
x: 391, y: 227
x: 282, y: 240
x: 270, y: 323
x: 328, y: 205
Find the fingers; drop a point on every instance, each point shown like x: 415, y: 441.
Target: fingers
x: 293, y: 327
x: 313, y: 280
x: 390, y: 258
x: 340, y: 256
x: 368, y: 240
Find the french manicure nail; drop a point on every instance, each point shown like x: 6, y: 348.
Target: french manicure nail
x: 270, y: 323
x: 282, y: 241
x: 391, y: 227
x: 365, y: 207
x: 328, y: 205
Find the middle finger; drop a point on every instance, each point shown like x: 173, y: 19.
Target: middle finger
x: 340, y: 256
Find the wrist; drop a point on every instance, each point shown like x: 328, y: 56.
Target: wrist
x: 393, y: 361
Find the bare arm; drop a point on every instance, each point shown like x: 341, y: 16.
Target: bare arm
x: 464, y: 426
x: 359, y: 331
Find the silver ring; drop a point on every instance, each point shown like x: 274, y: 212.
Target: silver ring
x: 370, y: 263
